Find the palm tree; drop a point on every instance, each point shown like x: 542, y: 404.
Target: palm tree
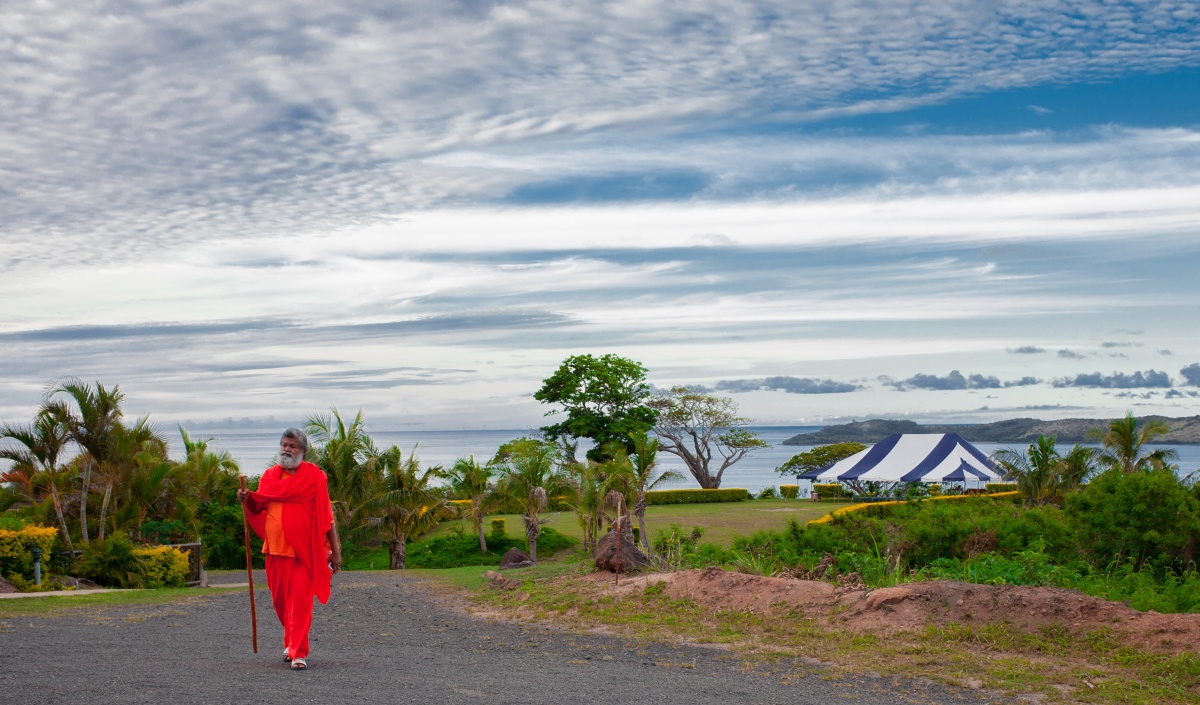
x: 588, y: 502
x: 644, y: 458
x: 530, y: 477
x: 407, y: 504
x: 210, y: 474
x: 41, y: 444
x: 1124, y: 445
x: 97, y: 411
x: 351, y: 462
x: 150, y: 484
x: 1042, y: 475
x: 470, y: 480
x: 124, y: 449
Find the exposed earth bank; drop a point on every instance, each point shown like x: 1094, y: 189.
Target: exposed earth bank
x: 914, y: 606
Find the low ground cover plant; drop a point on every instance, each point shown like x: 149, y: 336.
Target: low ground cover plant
x: 457, y: 548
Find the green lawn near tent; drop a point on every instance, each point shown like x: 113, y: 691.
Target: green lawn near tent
x: 721, y: 521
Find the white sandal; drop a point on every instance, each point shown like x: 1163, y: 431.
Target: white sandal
x: 299, y: 664
x: 286, y: 656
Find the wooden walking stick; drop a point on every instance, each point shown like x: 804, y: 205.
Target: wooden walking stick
x: 249, y: 573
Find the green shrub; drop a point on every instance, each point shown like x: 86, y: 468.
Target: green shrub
x: 696, y: 496
x: 499, y: 529
x: 1150, y: 517
x: 921, y: 532
x: 163, y: 532
x: 1164, y: 591
x: 1029, y: 567
x: 455, y: 549
x: 222, y: 533
x: 112, y: 562
x: 831, y: 490
x: 768, y: 493
x: 999, y: 487
x: 789, y: 491
x: 48, y: 584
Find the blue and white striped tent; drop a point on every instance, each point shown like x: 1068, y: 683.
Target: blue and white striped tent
x: 912, y: 457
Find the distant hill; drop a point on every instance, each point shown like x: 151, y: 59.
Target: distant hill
x: 1183, y: 430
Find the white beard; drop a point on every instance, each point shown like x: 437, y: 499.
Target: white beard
x: 288, y: 462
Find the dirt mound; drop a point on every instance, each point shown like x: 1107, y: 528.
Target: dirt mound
x: 917, y: 605
x: 7, y: 587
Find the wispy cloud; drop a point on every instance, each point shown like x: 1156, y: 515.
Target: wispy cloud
x: 427, y: 207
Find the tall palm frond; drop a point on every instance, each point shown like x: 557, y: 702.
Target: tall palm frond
x: 529, y: 477
x: 470, y: 480
x: 406, y: 504
x: 39, y: 447
x: 351, y: 462
x: 96, y: 411
x: 644, y: 460
x: 1124, y: 445
x: 1042, y: 475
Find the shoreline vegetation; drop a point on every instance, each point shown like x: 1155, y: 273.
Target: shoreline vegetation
x: 1179, y: 431
x: 1114, y: 522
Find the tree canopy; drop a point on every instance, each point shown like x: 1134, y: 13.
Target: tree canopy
x: 693, y: 425
x: 819, y: 457
x: 604, y: 399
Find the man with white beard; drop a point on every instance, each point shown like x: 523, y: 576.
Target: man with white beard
x: 292, y: 513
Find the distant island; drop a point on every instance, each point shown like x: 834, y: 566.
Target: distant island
x: 1184, y: 430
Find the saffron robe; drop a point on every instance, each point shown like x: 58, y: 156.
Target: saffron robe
x: 307, y: 517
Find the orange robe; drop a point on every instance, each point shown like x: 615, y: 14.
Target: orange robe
x: 301, y: 502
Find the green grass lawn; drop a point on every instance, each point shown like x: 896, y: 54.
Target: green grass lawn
x: 721, y: 521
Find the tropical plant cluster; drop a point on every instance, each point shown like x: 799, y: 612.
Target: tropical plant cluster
x: 80, y: 466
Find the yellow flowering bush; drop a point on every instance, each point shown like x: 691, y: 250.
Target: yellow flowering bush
x: 166, y: 566
x: 945, y: 497
x: 16, y: 556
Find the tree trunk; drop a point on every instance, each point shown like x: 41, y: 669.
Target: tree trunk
x: 479, y: 530
x: 104, y: 508
x: 62, y: 520
x: 532, y: 529
x: 83, y: 496
x: 640, y: 510
x: 397, y: 553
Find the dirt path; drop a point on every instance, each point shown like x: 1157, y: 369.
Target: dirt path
x: 383, y: 638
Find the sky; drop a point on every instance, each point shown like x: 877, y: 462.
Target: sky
x: 939, y: 211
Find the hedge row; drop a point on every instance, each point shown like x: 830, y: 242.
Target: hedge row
x: 1000, y: 487
x: 871, y: 505
x: 696, y: 496
x: 789, y: 491
x: 830, y: 490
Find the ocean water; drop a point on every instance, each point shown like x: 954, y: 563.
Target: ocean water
x: 254, y: 451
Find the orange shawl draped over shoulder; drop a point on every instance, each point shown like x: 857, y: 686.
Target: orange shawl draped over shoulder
x: 307, y: 516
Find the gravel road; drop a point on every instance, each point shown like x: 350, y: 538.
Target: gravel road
x: 383, y: 638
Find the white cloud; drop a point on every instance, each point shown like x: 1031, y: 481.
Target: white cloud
x: 316, y: 189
